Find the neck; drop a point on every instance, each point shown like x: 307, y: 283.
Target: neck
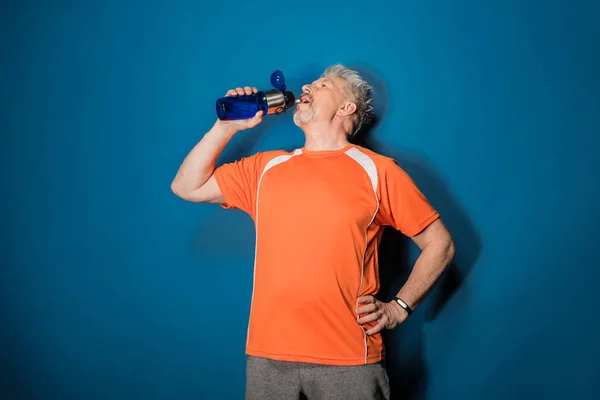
x: 324, y: 137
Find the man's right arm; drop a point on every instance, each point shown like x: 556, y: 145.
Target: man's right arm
x: 195, y: 180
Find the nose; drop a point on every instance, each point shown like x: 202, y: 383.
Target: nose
x: 307, y: 88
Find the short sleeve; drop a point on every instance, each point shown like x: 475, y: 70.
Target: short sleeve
x: 238, y: 182
x: 402, y: 205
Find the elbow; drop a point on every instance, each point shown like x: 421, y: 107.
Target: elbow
x: 188, y: 194
x: 450, y: 250
x: 177, y: 189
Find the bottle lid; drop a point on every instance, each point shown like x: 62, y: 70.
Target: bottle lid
x: 278, y: 80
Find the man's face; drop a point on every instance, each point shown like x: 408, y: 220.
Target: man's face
x: 320, y: 100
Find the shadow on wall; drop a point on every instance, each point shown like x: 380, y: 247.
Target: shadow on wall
x: 405, y: 351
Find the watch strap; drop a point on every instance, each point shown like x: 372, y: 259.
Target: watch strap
x: 403, y: 304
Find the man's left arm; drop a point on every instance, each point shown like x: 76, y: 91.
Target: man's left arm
x: 437, y: 251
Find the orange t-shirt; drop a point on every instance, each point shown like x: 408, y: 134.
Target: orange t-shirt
x: 319, y: 216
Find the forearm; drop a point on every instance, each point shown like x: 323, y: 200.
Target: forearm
x: 429, y: 266
x: 199, y: 164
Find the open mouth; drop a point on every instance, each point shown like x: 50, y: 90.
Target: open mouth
x: 305, y: 99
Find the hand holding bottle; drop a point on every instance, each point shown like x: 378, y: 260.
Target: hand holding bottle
x: 242, y: 124
x: 245, y: 104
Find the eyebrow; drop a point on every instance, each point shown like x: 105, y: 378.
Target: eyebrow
x: 325, y: 80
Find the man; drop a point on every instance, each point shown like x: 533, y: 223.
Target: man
x: 319, y: 212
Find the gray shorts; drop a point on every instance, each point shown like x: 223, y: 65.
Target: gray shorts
x: 281, y: 380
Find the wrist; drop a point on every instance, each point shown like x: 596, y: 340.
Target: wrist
x: 401, y: 305
x: 224, y: 128
x: 399, y: 311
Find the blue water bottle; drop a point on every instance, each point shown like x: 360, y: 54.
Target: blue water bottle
x: 274, y: 101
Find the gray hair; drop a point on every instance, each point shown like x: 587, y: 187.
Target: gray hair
x: 358, y: 91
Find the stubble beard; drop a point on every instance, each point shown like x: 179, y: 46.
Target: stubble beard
x: 302, y: 117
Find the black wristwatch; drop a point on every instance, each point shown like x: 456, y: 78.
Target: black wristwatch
x: 403, y: 305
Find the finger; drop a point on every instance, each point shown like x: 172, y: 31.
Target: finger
x: 366, y: 309
x: 231, y: 92
x: 379, y: 327
x: 254, y: 90
x: 368, y: 318
x: 247, y: 90
x: 376, y: 329
x: 366, y: 299
x: 240, y: 91
x: 256, y: 119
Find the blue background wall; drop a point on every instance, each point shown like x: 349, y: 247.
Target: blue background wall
x: 113, y: 288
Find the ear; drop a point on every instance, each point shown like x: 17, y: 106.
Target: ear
x: 347, y: 108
